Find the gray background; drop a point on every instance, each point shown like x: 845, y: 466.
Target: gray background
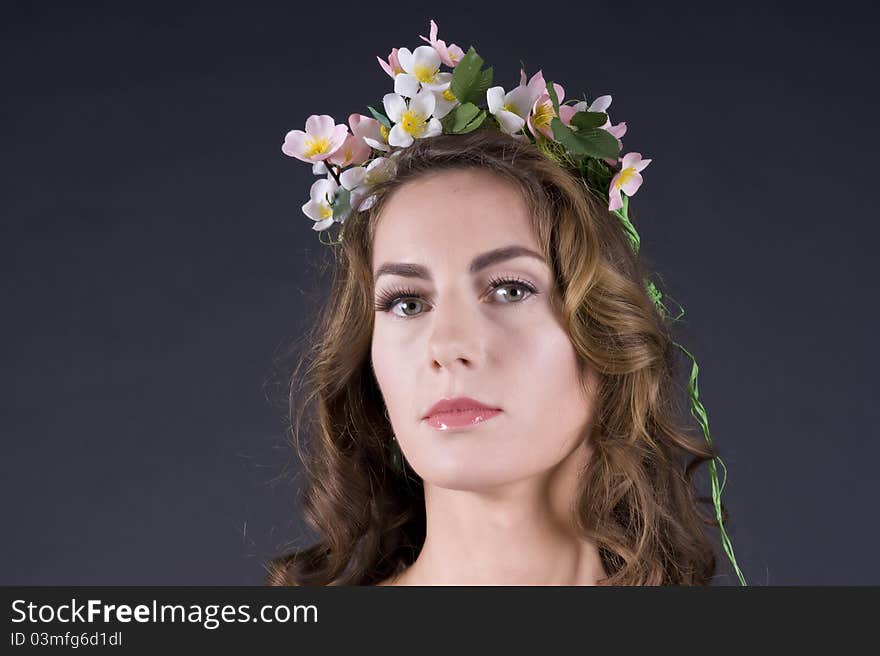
x: 156, y: 262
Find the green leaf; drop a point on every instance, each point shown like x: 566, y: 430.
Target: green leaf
x: 477, y: 93
x: 475, y: 123
x: 379, y: 116
x: 447, y: 122
x: 466, y: 75
x: 593, y: 142
x: 462, y: 115
x: 341, y: 204
x: 587, y: 120
x: 466, y: 118
x: 553, y: 97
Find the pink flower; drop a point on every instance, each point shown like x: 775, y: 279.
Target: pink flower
x: 542, y: 111
x: 321, y: 139
x: 451, y: 54
x: 354, y: 149
x: 370, y: 130
x: 628, y: 179
x: 392, y: 66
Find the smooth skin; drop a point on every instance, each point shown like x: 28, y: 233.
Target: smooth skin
x: 499, y: 495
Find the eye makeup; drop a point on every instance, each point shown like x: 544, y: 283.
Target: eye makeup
x: 389, y: 298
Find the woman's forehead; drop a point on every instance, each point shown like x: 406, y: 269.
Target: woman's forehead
x: 458, y: 214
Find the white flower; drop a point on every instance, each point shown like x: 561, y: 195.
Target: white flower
x: 445, y: 102
x: 422, y: 71
x: 413, y: 121
x: 511, y: 109
x: 359, y: 179
x: 318, y: 208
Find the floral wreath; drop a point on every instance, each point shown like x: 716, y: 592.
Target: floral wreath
x: 427, y: 102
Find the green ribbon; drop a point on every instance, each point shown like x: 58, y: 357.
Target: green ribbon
x: 697, y: 409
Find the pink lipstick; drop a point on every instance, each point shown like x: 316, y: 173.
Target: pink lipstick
x: 460, y: 412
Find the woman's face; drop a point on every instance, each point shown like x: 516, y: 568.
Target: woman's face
x: 458, y: 331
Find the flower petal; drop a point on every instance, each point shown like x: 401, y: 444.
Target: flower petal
x: 632, y: 184
x: 522, y: 99
x: 295, y: 145
x: 426, y: 56
x: 441, y: 82
x: 337, y: 137
x: 565, y: 113
x: 395, y: 106
x: 399, y: 137
x: 630, y: 160
x: 600, y: 104
x: 509, y: 122
x: 434, y: 128
x: 367, y: 203
x: 615, y: 202
x: 454, y: 53
x: 353, y: 151
x: 364, y: 126
x: 320, y: 125
x: 406, y: 85
x: 378, y: 145
x: 323, y: 225
x: 315, y: 211
x: 617, y: 130
x: 352, y: 178
x: 423, y: 103
x: 385, y: 66
x: 321, y: 189
x: 442, y: 106
x: 405, y: 57
x: 495, y: 99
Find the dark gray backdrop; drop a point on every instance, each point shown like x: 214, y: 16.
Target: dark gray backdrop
x: 155, y: 260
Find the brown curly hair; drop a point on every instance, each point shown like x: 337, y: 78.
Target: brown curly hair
x: 636, y: 501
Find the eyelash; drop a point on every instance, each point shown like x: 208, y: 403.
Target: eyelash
x: 392, y: 297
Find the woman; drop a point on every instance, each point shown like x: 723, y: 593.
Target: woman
x: 485, y: 270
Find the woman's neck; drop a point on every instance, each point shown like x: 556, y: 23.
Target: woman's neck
x: 520, y: 534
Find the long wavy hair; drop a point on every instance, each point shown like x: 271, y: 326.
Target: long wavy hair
x: 636, y: 501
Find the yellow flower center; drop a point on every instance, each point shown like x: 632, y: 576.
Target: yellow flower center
x: 509, y: 108
x: 384, y: 131
x: 543, y: 115
x: 448, y: 95
x: 326, y: 212
x: 413, y: 123
x: 624, y: 177
x: 425, y: 74
x: 316, y: 146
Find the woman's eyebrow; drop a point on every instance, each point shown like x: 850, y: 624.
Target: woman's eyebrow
x: 480, y: 262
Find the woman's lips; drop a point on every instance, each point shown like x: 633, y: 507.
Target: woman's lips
x: 461, y: 418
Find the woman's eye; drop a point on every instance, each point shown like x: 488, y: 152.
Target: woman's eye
x: 408, y: 305
x: 519, y: 291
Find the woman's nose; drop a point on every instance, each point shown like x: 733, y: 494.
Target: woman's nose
x: 457, y: 336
